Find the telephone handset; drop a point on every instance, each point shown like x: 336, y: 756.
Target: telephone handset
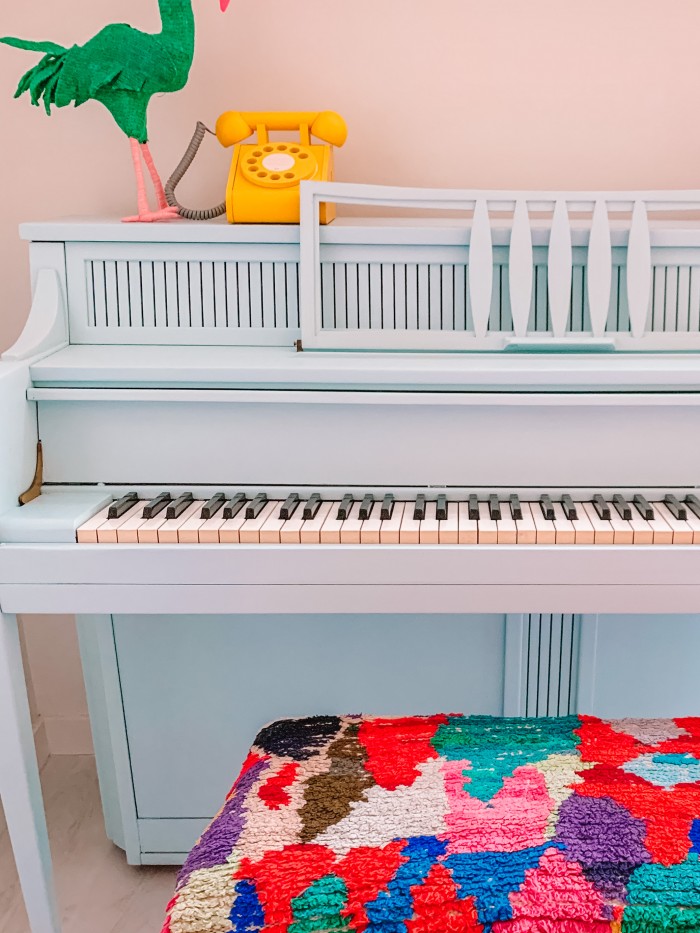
x: 263, y: 184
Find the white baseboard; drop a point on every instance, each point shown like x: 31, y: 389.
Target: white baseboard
x: 68, y: 736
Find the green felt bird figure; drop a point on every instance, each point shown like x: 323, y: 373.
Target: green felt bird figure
x: 122, y: 68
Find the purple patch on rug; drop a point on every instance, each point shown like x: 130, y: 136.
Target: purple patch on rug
x: 223, y: 834
x: 605, y: 838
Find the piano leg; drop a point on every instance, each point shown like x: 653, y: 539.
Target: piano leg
x: 20, y: 789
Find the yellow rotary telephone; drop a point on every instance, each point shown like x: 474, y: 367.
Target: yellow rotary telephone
x: 263, y: 184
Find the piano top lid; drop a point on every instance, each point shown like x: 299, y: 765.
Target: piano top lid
x: 423, y: 230
x: 139, y: 366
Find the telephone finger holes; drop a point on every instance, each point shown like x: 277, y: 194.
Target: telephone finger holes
x: 303, y: 155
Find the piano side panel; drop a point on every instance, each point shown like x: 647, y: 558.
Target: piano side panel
x: 393, y: 442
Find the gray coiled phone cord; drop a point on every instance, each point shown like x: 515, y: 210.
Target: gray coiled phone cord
x: 179, y: 173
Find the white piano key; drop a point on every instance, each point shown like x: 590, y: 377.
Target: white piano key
x: 87, y: 533
x: 662, y: 531
x: 410, y: 527
x: 351, y: 529
x: 167, y: 532
x: 525, y: 526
x: 391, y: 527
x: 488, y: 528
x: 372, y: 526
x: 249, y: 532
x: 107, y: 533
x: 209, y: 530
x: 290, y: 532
x: 564, y: 530
x: 230, y: 528
x: 602, y: 530
x: 642, y: 531
x: 544, y: 529
x: 311, y: 529
x: 188, y: 533
x: 682, y: 532
x: 147, y: 532
x: 270, y: 531
x: 430, y: 527
x: 583, y: 529
x: 622, y: 529
x: 694, y: 525
x: 468, y: 527
x: 128, y: 533
x: 507, y: 527
x: 449, y: 528
x: 330, y: 532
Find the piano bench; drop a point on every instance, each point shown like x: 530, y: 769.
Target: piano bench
x: 451, y: 823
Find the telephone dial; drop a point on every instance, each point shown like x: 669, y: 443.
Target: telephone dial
x: 263, y: 184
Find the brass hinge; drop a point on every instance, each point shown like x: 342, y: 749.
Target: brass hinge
x: 35, y: 489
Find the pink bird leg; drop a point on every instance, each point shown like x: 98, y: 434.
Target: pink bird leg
x: 145, y: 214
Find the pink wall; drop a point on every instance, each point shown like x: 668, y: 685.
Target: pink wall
x: 546, y: 93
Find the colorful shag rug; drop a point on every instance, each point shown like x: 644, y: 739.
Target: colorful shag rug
x: 449, y: 824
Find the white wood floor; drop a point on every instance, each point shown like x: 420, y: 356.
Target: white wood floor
x: 98, y: 892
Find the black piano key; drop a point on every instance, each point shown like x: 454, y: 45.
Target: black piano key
x: 441, y: 508
x: 601, y: 507
x: 676, y: 508
x: 494, y: 508
x: 693, y: 504
x: 289, y: 506
x: 345, y: 507
x: 473, y: 508
x: 155, y: 506
x: 387, y: 507
x: 419, y: 509
x: 210, y: 508
x: 622, y: 506
x: 569, y: 506
x: 366, y: 507
x: 118, y: 508
x: 516, y: 509
x: 256, y: 506
x: 313, y: 504
x: 234, y: 505
x: 643, y: 507
x: 547, y: 507
x: 178, y: 506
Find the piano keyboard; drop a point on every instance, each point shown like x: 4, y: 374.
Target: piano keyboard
x: 368, y: 519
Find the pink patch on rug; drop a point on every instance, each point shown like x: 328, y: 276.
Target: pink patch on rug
x: 555, y: 897
x: 515, y: 818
